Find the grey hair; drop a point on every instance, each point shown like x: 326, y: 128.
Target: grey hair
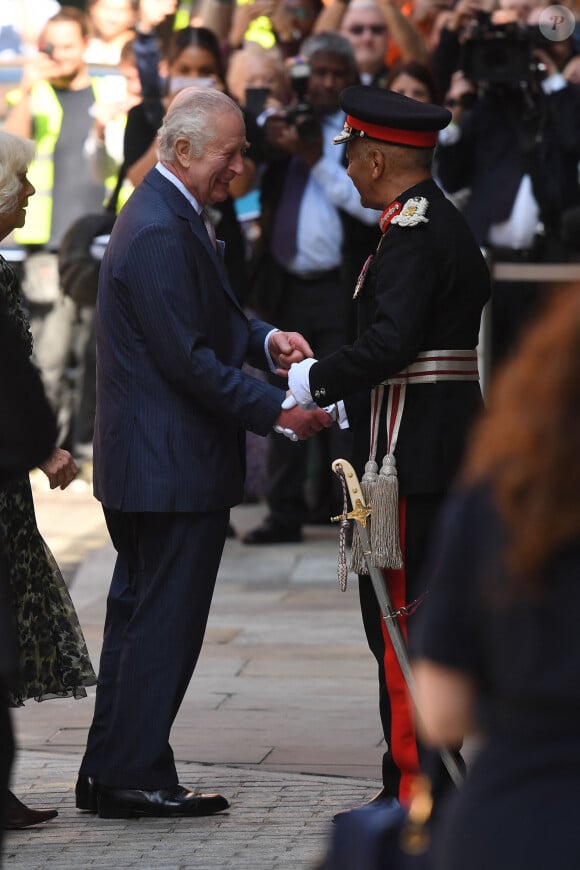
x: 406, y: 158
x: 16, y: 154
x: 237, y: 64
x: 191, y: 115
x: 329, y: 42
x: 364, y: 4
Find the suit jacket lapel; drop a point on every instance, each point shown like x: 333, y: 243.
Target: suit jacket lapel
x: 183, y: 209
x: 198, y: 229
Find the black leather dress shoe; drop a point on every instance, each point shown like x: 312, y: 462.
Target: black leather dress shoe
x: 273, y: 532
x: 380, y: 797
x: 124, y: 803
x: 86, y: 791
x: 18, y: 815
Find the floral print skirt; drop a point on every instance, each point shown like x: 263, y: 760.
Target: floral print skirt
x: 54, y: 661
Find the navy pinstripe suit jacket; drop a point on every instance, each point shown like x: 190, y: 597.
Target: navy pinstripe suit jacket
x: 172, y: 401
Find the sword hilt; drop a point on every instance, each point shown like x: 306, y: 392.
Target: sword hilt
x: 360, y: 510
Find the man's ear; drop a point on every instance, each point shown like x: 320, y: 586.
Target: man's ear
x: 183, y: 151
x: 376, y: 161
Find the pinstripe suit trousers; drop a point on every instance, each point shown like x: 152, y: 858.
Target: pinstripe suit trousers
x: 157, y: 611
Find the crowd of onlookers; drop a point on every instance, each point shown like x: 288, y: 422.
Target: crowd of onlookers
x: 91, y: 82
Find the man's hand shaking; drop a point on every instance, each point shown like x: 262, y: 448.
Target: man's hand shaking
x: 287, y: 348
x: 297, y: 424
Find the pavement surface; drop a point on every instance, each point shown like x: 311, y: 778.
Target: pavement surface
x: 281, y: 715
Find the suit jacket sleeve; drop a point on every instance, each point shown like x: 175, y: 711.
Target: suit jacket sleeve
x: 184, y: 333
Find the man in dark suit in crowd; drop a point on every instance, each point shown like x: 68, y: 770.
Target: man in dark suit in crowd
x: 27, y: 438
x: 312, y: 227
x: 415, y: 361
x: 172, y: 407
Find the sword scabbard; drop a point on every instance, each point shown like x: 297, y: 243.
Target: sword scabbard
x: 361, y: 512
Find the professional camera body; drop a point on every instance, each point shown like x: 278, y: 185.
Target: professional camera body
x: 302, y: 114
x: 502, y: 54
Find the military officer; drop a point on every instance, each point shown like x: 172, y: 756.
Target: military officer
x: 410, y: 380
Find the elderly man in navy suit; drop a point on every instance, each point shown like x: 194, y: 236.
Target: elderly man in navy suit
x: 172, y: 407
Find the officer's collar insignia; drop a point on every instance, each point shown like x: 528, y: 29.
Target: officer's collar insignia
x: 413, y: 212
x: 389, y: 213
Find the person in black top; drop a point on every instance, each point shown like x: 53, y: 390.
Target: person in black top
x: 497, y: 652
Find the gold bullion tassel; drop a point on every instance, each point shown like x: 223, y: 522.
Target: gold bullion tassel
x: 368, y: 484
x: 385, y: 542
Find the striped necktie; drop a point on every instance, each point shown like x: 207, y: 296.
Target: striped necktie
x: 209, y: 228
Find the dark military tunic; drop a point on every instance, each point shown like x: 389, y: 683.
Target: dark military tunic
x: 425, y: 290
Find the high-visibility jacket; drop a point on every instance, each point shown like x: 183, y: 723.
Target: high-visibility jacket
x: 260, y: 29
x: 183, y: 15
x: 47, y: 113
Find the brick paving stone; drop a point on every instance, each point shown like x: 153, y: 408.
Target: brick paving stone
x: 275, y: 821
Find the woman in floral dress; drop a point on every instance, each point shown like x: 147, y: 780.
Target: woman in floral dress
x: 54, y: 662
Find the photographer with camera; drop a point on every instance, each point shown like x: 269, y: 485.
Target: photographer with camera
x: 303, y: 277
x: 515, y: 143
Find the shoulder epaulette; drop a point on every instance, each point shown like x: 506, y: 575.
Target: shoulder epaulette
x: 413, y: 212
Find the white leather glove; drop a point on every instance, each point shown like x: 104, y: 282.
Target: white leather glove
x: 299, y: 381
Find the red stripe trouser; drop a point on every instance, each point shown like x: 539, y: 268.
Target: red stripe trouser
x: 401, y: 758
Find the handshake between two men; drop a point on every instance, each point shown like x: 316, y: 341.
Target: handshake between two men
x: 299, y: 418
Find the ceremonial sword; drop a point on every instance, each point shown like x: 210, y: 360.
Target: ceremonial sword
x: 360, y: 513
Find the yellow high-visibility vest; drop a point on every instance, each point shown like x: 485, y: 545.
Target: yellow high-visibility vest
x: 182, y: 16
x: 47, y: 113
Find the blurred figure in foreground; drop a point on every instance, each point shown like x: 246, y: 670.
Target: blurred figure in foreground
x: 499, y: 650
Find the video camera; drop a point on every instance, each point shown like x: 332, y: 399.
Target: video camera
x: 302, y: 114
x: 502, y: 54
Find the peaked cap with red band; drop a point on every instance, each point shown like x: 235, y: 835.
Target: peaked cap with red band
x: 377, y: 113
